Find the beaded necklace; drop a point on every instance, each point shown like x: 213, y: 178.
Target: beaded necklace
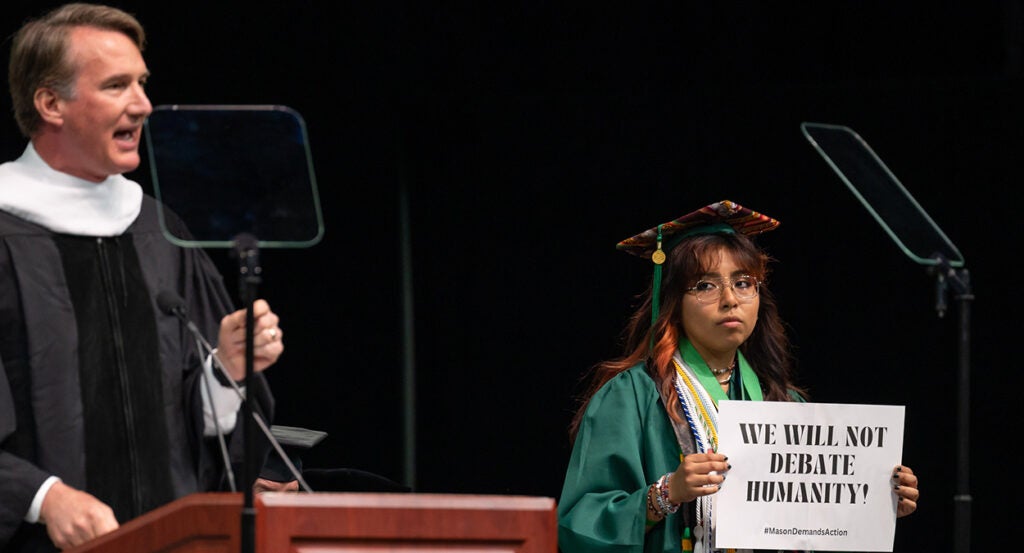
x: 720, y: 372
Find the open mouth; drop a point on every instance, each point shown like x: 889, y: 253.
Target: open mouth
x: 126, y: 135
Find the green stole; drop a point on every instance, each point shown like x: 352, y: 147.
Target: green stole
x: 745, y: 385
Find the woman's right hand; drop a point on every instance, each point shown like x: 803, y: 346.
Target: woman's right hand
x: 694, y: 476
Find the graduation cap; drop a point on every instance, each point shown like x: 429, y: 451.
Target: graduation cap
x: 720, y: 217
x: 294, y: 441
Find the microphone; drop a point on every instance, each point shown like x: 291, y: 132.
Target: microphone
x: 172, y: 304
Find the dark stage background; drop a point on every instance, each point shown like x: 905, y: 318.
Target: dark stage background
x: 529, y: 137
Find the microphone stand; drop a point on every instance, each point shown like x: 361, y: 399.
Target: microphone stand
x: 173, y: 305
x: 246, y: 249
x: 959, y: 280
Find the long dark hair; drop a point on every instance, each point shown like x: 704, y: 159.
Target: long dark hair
x: 767, y: 349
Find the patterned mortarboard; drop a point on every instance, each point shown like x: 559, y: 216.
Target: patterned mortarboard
x: 716, y: 217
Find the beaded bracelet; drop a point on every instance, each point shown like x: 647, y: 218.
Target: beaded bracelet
x: 664, y: 503
x: 652, y: 507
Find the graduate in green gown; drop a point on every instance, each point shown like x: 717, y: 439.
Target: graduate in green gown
x: 645, y: 457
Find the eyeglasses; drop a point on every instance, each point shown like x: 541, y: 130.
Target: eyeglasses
x: 708, y: 290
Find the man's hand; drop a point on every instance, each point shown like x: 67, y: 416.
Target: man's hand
x: 73, y: 517
x: 267, y: 340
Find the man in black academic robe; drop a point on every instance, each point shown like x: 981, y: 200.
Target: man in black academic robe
x: 70, y: 302
x: 104, y: 414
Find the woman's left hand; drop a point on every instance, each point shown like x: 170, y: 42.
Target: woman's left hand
x: 905, y: 488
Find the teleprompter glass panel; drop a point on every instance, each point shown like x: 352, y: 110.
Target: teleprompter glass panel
x: 228, y: 170
x: 882, y: 194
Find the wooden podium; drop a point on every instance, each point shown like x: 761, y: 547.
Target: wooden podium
x: 342, y: 522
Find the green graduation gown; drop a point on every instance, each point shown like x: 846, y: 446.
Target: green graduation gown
x: 625, y: 442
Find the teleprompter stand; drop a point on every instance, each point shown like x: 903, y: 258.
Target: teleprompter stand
x: 948, y: 278
x: 914, y: 232
x: 246, y: 251
x: 232, y: 173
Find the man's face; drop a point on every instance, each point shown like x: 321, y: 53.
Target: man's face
x: 102, y: 124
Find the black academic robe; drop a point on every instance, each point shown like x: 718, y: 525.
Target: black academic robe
x: 96, y: 381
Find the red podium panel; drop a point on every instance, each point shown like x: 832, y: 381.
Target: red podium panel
x: 341, y: 523
x: 202, y: 522
x: 400, y: 523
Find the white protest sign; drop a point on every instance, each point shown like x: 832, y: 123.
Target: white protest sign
x: 808, y: 476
